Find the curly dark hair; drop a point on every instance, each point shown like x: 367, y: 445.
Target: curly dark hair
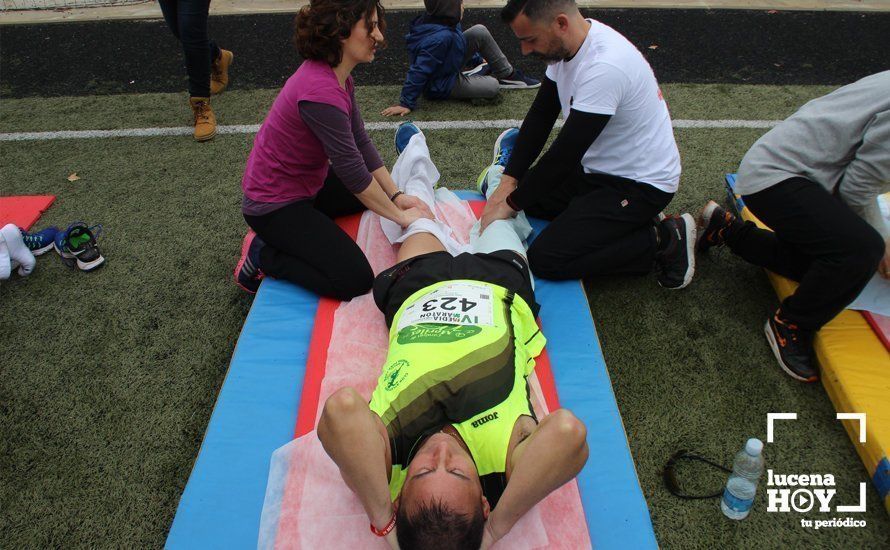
x: 322, y: 24
x: 435, y: 525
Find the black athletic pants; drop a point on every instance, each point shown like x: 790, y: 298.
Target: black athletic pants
x: 188, y: 21
x: 816, y: 240
x: 306, y: 247
x: 600, y: 225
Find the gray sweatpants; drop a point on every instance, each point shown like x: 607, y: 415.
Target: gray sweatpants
x: 479, y: 40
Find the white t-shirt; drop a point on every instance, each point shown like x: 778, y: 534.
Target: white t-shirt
x: 609, y: 76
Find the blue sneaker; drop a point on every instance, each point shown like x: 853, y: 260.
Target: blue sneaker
x: 77, y: 246
x: 518, y: 80
x: 403, y: 135
x: 503, y: 148
x: 40, y: 242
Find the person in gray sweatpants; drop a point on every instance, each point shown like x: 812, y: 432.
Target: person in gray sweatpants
x: 447, y: 62
x: 814, y: 180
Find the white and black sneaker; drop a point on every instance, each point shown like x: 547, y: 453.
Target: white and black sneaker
x: 516, y: 80
x: 77, y: 246
x: 478, y: 69
x: 675, y: 259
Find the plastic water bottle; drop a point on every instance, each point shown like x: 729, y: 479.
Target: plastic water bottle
x: 742, y: 485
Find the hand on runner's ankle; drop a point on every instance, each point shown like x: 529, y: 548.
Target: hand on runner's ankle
x: 406, y: 202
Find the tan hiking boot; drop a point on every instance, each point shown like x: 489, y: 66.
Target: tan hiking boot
x: 205, y: 121
x: 219, y: 72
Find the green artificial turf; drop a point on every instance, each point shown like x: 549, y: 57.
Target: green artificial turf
x: 108, y: 379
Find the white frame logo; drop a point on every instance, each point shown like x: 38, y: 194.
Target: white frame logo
x: 812, y: 492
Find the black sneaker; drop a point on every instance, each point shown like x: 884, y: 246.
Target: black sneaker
x: 676, y: 261
x: 77, y: 246
x: 793, y: 348
x: 716, y: 222
x: 518, y: 79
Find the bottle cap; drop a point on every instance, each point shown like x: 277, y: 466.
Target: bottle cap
x: 754, y: 446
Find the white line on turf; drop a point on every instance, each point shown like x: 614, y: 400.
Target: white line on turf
x: 425, y: 125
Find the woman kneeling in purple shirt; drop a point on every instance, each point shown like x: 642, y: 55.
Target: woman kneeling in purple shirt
x: 313, y: 161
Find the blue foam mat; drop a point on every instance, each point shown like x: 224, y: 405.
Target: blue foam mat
x: 256, y: 410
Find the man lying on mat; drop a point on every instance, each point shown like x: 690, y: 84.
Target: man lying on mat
x: 449, y: 454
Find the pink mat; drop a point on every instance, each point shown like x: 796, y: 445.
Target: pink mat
x: 315, y: 508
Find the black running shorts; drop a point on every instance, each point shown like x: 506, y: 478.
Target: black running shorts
x: 504, y: 268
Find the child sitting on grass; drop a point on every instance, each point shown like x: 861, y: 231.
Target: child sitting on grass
x: 438, y: 49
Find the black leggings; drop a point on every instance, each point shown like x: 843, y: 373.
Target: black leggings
x: 601, y: 225
x: 188, y: 21
x: 815, y: 239
x: 305, y: 246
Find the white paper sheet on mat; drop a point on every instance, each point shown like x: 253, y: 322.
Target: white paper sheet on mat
x: 875, y: 297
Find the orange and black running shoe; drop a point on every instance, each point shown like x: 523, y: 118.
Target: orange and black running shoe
x: 715, y: 222
x: 793, y: 348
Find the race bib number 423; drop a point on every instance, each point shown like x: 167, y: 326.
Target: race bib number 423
x: 453, y: 304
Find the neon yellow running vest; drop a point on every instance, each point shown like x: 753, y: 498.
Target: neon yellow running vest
x: 459, y: 354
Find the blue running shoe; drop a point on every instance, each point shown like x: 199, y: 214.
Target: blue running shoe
x: 403, y: 135
x: 503, y: 148
x: 40, y: 242
x: 77, y: 246
x: 518, y: 80
x: 482, y: 182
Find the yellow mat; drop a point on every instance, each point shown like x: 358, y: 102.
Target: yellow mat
x: 855, y: 372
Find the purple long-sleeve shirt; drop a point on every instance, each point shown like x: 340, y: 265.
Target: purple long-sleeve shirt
x: 314, y: 124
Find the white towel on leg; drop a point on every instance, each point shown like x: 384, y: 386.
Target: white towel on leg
x: 415, y: 174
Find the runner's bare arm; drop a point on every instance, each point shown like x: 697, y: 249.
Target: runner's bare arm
x: 552, y: 455
x: 355, y: 439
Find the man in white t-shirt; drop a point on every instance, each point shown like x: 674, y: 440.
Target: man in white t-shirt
x: 613, y: 167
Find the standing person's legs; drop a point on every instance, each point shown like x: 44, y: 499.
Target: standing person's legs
x: 818, y: 240
x: 306, y: 247
x: 188, y: 21
x: 170, y: 10
x: 199, y: 50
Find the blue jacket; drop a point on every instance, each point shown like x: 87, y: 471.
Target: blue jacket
x: 436, y: 55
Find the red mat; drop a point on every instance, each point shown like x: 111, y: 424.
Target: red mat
x: 24, y: 210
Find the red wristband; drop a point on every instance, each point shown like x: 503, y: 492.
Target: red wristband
x: 386, y: 530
